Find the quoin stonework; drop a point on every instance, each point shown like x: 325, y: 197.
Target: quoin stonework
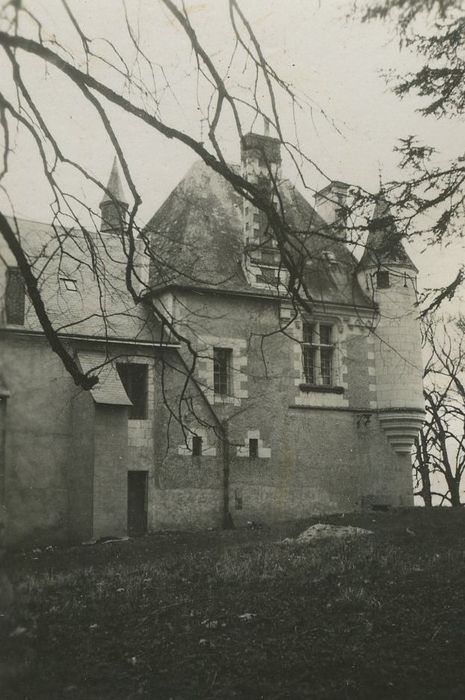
x: 287, y: 412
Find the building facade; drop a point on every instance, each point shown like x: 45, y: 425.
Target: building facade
x: 248, y: 408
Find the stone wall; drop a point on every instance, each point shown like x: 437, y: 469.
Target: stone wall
x: 317, y: 454
x: 66, y: 466
x: 38, y: 443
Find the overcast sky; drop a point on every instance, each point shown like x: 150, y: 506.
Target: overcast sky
x: 319, y: 46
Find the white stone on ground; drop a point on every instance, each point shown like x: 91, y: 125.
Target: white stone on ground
x: 325, y: 531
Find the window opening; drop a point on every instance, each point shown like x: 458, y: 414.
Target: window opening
x: 382, y: 279
x: 317, y: 353
x: 222, y: 371
x: 197, y: 446
x: 135, y: 381
x: 253, y: 448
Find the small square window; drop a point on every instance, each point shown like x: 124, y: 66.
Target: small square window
x: 69, y: 284
x: 382, y: 279
x: 253, y: 448
x: 197, y: 446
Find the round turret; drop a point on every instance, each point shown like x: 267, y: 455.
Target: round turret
x: 387, y: 273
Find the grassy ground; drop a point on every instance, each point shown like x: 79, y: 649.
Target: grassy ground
x: 239, y: 615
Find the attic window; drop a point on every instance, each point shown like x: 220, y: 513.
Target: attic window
x: 382, y: 279
x: 69, y: 284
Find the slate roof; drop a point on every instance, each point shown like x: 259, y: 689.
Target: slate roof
x: 101, y: 306
x: 384, y: 243
x: 197, y: 237
x: 114, y: 186
x: 109, y: 389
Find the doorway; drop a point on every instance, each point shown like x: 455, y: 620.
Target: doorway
x: 137, y: 503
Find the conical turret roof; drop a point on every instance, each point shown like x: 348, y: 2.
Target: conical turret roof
x: 114, y: 186
x: 384, y: 243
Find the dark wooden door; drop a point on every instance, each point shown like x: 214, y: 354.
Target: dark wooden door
x: 137, y: 503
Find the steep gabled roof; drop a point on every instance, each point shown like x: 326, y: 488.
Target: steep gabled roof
x: 197, y: 240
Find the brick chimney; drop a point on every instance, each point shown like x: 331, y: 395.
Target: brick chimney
x: 113, y: 206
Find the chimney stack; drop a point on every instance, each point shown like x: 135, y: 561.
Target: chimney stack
x: 260, y: 156
x: 330, y: 200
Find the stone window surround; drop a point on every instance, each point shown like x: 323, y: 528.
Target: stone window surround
x: 320, y: 395
x: 316, y: 345
x: 253, y: 270
x: 186, y: 449
x: 238, y: 346
x: 263, y: 452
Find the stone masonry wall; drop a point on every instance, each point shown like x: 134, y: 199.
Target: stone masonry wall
x: 314, y: 456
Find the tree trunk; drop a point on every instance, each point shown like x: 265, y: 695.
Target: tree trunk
x: 422, y: 467
x: 228, y: 523
x: 454, y: 487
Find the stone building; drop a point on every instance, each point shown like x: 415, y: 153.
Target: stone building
x: 286, y: 412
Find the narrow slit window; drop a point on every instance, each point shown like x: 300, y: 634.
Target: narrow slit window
x: 253, y: 448
x: 197, y: 446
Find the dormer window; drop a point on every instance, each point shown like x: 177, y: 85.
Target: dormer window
x: 268, y: 275
x: 69, y: 284
x: 382, y: 279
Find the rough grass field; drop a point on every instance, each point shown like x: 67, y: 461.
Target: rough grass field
x: 239, y: 615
